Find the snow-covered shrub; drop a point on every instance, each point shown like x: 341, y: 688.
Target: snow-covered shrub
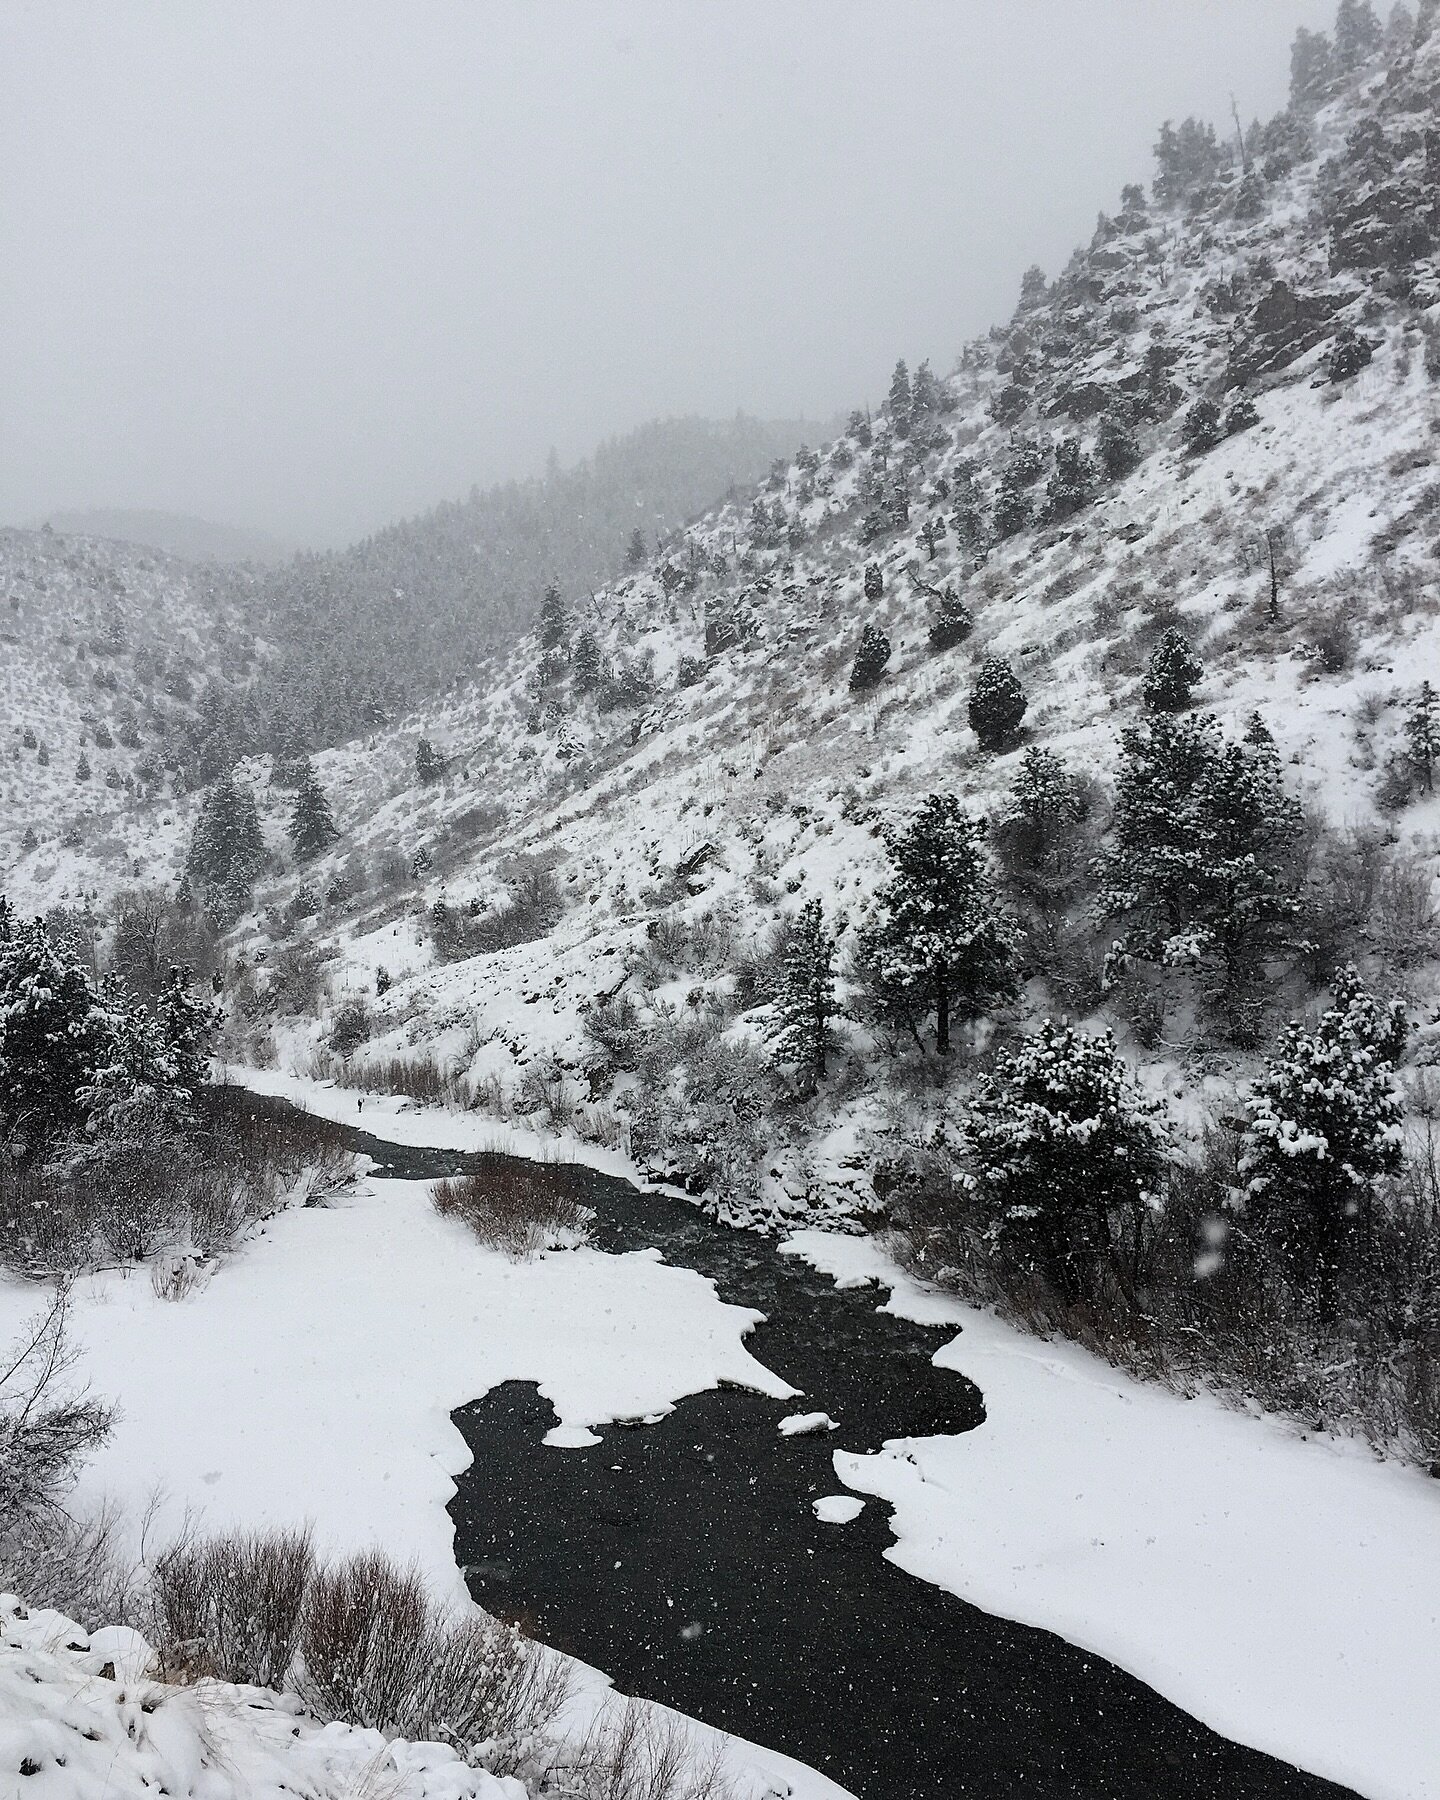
x: 378, y: 1651
x: 351, y: 1028
x: 997, y: 703
x: 634, y: 1752
x: 701, y: 1119
x: 297, y: 978
x: 519, y: 1207
x: 1174, y: 669
x: 229, y: 1606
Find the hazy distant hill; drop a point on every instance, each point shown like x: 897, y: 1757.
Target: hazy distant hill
x: 177, y: 534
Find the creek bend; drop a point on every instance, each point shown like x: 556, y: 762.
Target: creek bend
x: 683, y: 1556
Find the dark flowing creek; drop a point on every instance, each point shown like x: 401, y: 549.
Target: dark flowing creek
x: 683, y: 1558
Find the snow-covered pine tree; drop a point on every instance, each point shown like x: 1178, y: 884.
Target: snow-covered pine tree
x: 1065, y: 1158
x: 429, y: 764
x: 925, y: 392
x: 1422, y: 735
x: 874, y: 582
x: 1072, y: 481
x: 635, y: 551
x: 1323, y: 1129
x: 1011, y: 512
x: 1116, y: 445
x: 938, y: 943
x: 589, y: 665
x: 804, y: 1003
x: 227, y: 849
x: 55, y: 1032
x: 1200, y: 863
x: 1174, y: 669
x: 1357, y: 34
x: 870, y: 658
x: 953, y: 621
x: 1203, y: 427
x: 1036, y: 835
x: 997, y: 703
x: 899, y: 401
x: 311, y: 827
x: 1312, y: 70
x: 188, y: 1023
x: 554, y: 620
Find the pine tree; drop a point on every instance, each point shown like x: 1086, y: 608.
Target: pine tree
x: 227, y: 850
x: 953, y: 621
x: 589, y: 664
x: 1312, y: 70
x: 1203, y: 430
x: 429, y: 764
x: 55, y: 1032
x: 805, y: 998
x: 1200, y: 863
x: 874, y: 582
x: 1037, y: 835
x: 870, y: 658
x: 1174, y: 669
x: 1422, y: 735
x: 311, y: 827
x: 1349, y: 354
x: 1243, y: 415
x: 635, y: 552
x: 1323, y: 1128
x: 1072, y: 482
x: 938, y: 942
x: 898, y: 401
x: 1116, y: 444
x: 83, y: 770
x: 1012, y: 506
x: 1357, y: 34
x: 860, y: 429
x: 997, y: 704
x: 925, y: 392
x: 554, y: 623
x: 1066, y: 1155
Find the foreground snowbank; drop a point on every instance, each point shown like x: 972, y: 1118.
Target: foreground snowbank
x: 79, y: 1720
x: 1285, y: 1591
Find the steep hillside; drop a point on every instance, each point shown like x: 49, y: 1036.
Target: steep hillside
x: 1220, y: 417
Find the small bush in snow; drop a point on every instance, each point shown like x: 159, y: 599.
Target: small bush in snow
x: 229, y: 1606
x: 518, y: 1207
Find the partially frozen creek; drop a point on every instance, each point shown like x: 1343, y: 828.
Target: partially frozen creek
x: 707, y: 1559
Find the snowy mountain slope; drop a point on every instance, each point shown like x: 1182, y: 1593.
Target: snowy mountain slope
x: 687, y: 757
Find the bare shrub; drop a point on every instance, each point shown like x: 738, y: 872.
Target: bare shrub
x: 230, y: 1605
x: 641, y: 1754
x: 77, y: 1566
x: 376, y: 1650
x: 296, y: 981
x: 1405, y: 914
x: 518, y: 1207
x: 544, y: 1089
x: 422, y: 1078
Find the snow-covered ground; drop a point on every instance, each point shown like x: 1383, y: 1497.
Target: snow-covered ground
x: 1284, y: 1590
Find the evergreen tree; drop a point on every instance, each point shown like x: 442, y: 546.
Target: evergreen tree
x: 953, y: 621
x: 1200, y: 863
x: 1312, y: 70
x: 1243, y: 415
x: 870, y: 658
x: 83, y: 770
x: 937, y: 942
x: 1012, y: 505
x: 1187, y: 160
x: 1072, y: 482
x: 311, y: 827
x: 1349, y: 354
x: 1203, y: 430
x: 1037, y: 836
x: 589, y: 664
x: 1357, y: 34
x: 805, y: 998
x: 554, y: 622
x: 898, y: 400
x: 429, y: 764
x: 55, y: 1031
x: 1066, y: 1155
x: 997, y: 703
x: 635, y: 550
x: 1422, y: 735
x: 1174, y: 669
x: 227, y: 850
x: 925, y: 392
x: 1323, y: 1128
x: 859, y: 428
x: 1116, y: 444
x: 1033, y: 287
x: 874, y: 582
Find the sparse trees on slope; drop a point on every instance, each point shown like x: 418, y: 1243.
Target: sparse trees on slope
x: 938, y: 943
x: 1323, y: 1128
x: 805, y: 1000
x: 870, y: 658
x: 311, y: 827
x: 1422, y: 735
x: 997, y: 703
x: 1174, y: 669
x: 1066, y: 1154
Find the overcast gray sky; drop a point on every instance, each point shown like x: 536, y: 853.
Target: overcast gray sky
x: 308, y: 265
